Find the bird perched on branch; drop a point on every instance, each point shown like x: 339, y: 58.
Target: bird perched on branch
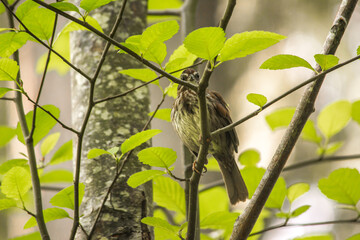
x: 185, y: 118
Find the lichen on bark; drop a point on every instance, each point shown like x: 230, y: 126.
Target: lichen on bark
x: 110, y: 124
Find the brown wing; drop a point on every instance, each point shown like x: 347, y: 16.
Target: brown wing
x: 223, y: 110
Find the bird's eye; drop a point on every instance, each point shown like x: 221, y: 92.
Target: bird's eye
x: 196, y: 75
x: 184, y: 77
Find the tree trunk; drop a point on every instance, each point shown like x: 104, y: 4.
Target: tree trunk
x: 110, y: 124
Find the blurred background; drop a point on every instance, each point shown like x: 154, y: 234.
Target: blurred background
x: 306, y: 24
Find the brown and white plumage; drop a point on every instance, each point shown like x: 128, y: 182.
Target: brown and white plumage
x: 186, y: 121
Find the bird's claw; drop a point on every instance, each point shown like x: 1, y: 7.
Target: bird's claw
x: 196, y: 170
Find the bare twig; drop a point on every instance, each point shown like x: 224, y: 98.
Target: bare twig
x: 247, y: 219
x: 166, y: 12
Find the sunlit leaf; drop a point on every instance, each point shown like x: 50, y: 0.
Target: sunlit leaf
x: 6, y: 133
x: 219, y: 220
x: 309, y: 132
x: 355, y: 111
x: 142, y: 177
x: 12, y: 41
x: 280, y: 118
x: 300, y: 210
x: 277, y: 196
x: 249, y: 157
x: 63, y: 154
x: 9, y: 164
x: 57, y: 176
x: 160, y: 223
x: 334, y: 117
x: 285, y: 61
x: 155, y: 52
x: 296, y: 190
x: 342, y: 185
x: 220, y: 201
x: 138, y: 139
x: 163, y: 114
x: 8, y: 69
x: 65, y: 198
x: 257, y: 99
x: 243, y: 44
x: 65, y: 6
x: 326, y: 61
x: 31, y: 236
x: 49, y: 143
x: 16, y: 183
x: 90, y: 5
x: 157, y: 156
x: 159, y: 32
x: 143, y: 74
x: 4, y: 90
x: 205, y: 42
x: 6, y: 203
x: 40, y: 21
x: 96, y: 152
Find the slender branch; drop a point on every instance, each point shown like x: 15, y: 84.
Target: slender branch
x: 33, y: 126
x: 117, y: 44
x: 256, y: 112
x: 142, y: 85
x: 247, y: 219
x: 205, y: 134
x: 127, y: 156
x: 29, y: 144
x: 63, y: 125
x: 85, y: 121
x: 49, y: 48
x: 7, y: 99
x: 321, y: 160
x: 166, y: 12
x: 347, y: 221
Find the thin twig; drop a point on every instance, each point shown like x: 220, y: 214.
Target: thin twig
x: 85, y: 121
x: 142, y: 85
x: 7, y: 99
x: 347, y: 221
x: 166, y: 12
x: 117, y: 44
x: 308, y: 81
x: 245, y: 223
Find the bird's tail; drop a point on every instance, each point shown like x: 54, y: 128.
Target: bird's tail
x: 234, y: 182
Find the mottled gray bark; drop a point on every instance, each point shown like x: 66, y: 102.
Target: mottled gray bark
x: 109, y: 125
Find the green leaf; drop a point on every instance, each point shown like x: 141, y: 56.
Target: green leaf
x: 309, y: 132
x: 160, y: 223
x: 342, y: 185
x: 49, y: 143
x: 282, y: 215
x: 326, y: 61
x: 161, y: 4
x: 159, y: 32
x: 163, y: 114
x: 31, y: 236
x: 12, y: 41
x: 354, y: 237
x: 43, y: 123
x: 157, y: 156
x: 133, y: 43
x: 138, y: 139
x: 66, y: 6
x: 6, y: 166
x: 277, y: 196
x: 358, y: 50
x: 4, y: 90
x: 143, y: 74
x: 50, y: 214
x: 257, y: 99
x: 280, y: 118
x: 95, y: 152
x: 6, y: 133
x: 334, y: 117
x: 113, y: 150
x: 179, y: 59
x: 8, y: 69
x: 155, y: 52
x: 89, y: 5
x: 252, y: 177
x: 296, y: 190
x: 300, y: 210
x: 40, y: 21
x: 212, y: 165
x: 142, y: 177
x: 316, y: 237
x: 169, y: 194
x: 246, y: 43
x: 249, y: 157
x: 16, y: 183
x: 355, y: 111
x: 63, y: 154
x: 6, y: 203
x: 205, y: 42
x: 57, y: 176
x: 25, y: 8
x: 332, y: 148
x: 65, y: 198
x: 219, y: 203
x: 285, y: 61
x: 219, y: 220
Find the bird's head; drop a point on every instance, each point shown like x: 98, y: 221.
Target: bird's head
x: 190, y: 75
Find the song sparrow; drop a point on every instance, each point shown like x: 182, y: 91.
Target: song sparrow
x: 186, y: 121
